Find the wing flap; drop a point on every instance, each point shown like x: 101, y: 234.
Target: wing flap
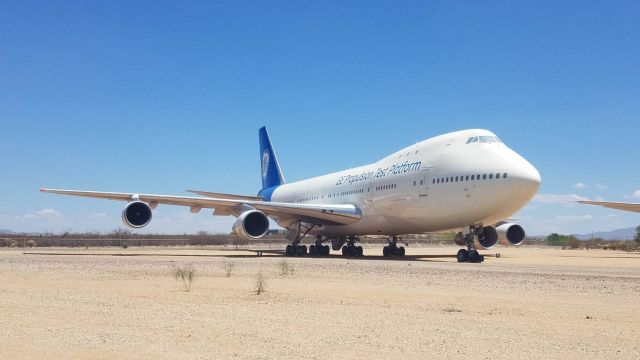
x: 215, y: 195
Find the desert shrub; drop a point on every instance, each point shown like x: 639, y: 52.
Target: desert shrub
x: 32, y: 243
x: 228, y: 268
x: 184, y: 274
x: 574, y: 243
x: 124, y: 244
x: 10, y: 243
x: 285, y: 268
x: 260, y: 284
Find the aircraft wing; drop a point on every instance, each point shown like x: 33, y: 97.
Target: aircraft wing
x: 215, y: 195
x: 323, y: 214
x: 615, y: 205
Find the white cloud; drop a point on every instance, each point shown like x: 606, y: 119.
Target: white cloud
x: 636, y: 194
x: 557, y: 198
x: 45, y: 214
x: 99, y: 215
x: 580, y: 186
x: 574, y: 217
x: 601, y: 187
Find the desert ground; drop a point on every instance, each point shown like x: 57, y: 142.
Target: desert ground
x: 531, y: 303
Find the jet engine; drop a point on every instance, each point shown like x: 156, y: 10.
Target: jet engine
x: 485, y: 241
x: 488, y: 239
x: 136, y: 214
x: 251, y: 224
x: 511, y: 234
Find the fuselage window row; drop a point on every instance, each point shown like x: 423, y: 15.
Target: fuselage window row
x: 386, y: 187
x: 468, y: 178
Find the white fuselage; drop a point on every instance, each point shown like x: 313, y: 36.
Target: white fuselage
x: 439, y: 184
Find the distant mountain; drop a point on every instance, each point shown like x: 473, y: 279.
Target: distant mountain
x: 620, y: 234
x: 6, y: 232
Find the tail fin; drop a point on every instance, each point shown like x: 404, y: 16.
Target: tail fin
x: 271, y: 174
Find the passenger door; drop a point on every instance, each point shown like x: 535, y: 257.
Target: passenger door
x: 424, y: 182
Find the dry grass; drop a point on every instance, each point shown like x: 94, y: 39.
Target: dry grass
x: 285, y: 268
x: 184, y: 274
x: 228, y: 268
x: 260, y: 285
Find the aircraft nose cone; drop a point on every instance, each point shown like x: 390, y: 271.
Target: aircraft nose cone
x: 528, y: 176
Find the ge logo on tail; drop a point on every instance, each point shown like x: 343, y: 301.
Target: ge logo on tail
x: 265, y: 163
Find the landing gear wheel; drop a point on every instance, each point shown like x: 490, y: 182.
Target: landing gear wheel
x: 304, y: 249
x: 401, y: 251
x: 327, y: 250
x: 359, y: 251
x: 289, y: 250
x: 312, y: 249
x: 475, y: 257
x: 385, y: 251
x: 345, y: 251
x: 463, y: 255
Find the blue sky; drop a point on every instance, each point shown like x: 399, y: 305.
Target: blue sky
x: 164, y: 96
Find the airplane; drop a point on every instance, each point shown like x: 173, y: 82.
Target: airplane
x: 633, y: 207
x: 467, y: 181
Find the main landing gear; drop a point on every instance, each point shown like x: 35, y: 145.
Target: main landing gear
x: 350, y: 249
x: 470, y: 254
x: 295, y: 249
x: 318, y: 249
x: 392, y: 249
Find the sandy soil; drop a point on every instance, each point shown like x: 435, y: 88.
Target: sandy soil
x: 530, y: 304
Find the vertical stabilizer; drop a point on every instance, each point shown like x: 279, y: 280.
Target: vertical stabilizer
x: 271, y: 174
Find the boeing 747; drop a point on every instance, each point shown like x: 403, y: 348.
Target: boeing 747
x: 467, y: 181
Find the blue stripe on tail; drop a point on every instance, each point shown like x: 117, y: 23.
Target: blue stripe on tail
x: 271, y: 174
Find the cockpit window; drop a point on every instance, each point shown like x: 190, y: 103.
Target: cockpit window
x: 484, y: 139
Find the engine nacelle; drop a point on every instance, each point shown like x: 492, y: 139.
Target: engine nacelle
x: 511, y: 234
x: 251, y: 224
x: 136, y: 214
x: 488, y: 239
x: 485, y: 241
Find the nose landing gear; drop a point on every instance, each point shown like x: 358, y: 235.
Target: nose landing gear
x: 470, y: 254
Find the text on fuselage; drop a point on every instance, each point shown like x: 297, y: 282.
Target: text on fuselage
x: 380, y: 172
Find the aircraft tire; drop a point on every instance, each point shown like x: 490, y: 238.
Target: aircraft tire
x: 474, y: 256
x: 401, y: 251
x: 463, y: 255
